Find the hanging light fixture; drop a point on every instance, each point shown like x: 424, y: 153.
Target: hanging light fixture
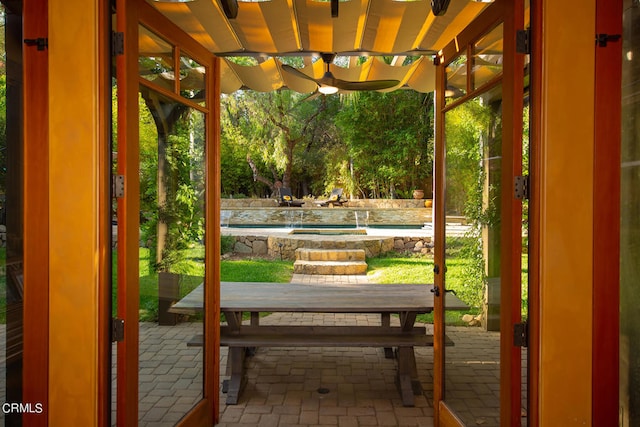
x: 327, y: 90
x: 439, y: 7
x: 230, y: 7
x: 334, y: 6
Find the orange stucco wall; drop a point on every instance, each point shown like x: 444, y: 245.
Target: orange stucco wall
x: 73, y: 182
x: 566, y: 192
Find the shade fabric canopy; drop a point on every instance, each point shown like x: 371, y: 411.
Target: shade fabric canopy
x: 270, y: 30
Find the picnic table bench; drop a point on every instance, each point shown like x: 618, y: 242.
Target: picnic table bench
x: 255, y: 297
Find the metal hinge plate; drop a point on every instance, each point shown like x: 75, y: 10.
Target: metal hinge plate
x: 520, y: 335
x: 41, y: 43
x: 117, y: 330
x: 523, y: 41
x: 117, y: 43
x: 118, y: 186
x: 521, y: 187
x: 603, y: 39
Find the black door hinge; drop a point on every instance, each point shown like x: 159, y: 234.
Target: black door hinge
x: 117, y: 43
x: 521, y: 187
x: 334, y: 8
x: 42, y: 43
x: 117, y: 330
x: 603, y: 39
x: 523, y: 41
x: 520, y: 335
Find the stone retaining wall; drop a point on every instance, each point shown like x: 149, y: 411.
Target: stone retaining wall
x: 310, y: 217
x: 285, y: 246
x: 248, y: 203
x: 309, y: 203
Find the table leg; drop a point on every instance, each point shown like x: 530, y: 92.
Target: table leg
x: 255, y: 318
x: 408, y: 382
x: 385, y: 321
x: 255, y: 321
x: 236, y: 383
x: 407, y: 320
x: 234, y: 319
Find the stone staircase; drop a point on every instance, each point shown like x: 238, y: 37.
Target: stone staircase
x: 330, y: 261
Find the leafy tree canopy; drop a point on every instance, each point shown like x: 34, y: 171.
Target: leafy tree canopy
x: 371, y: 144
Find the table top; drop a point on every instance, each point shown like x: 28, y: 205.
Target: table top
x: 319, y: 298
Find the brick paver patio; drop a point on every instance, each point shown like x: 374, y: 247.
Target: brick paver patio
x: 314, y: 386
x: 318, y: 386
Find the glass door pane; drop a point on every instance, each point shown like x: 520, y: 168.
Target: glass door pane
x: 524, y: 307
x: 473, y: 144
x: 172, y: 254
x: 630, y: 223
x: 11, y: 212
x: 487, y: 58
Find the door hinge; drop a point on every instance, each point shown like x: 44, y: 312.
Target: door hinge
x: 42, y: 43
x: 523, y: 41
x: 520, y: 335
x: 118, y: 186
x: 521, y: 187
x: 117, y: 330
x: 603, y: 39
x: 117, y: 43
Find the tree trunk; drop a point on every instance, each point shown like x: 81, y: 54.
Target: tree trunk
x: 257, y: 177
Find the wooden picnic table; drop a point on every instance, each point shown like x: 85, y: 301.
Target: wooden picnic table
x: 407, y: 301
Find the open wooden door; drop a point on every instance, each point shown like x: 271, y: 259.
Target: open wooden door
x: 166, y: 185
x: 479, y: 226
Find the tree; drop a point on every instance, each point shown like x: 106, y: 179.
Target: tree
x: 171, y: 176
x: 278, y: 131
x: 389, y: 140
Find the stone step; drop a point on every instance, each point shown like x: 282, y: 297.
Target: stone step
x: 305, y: 254
x: 329, y: 267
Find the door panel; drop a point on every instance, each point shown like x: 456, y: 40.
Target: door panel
x: 478, y: 228
x: 17, y: 329
x: 172, y: 248
x: 167, y: 244
x: 473, y: 171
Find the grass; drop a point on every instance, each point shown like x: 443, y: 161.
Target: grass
x: 394, y: 268
x: 398, y: 268
x: 191, y: 271
x: 256, y: 270
x: 390, y: 268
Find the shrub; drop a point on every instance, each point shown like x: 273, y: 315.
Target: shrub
x: 226, y: 244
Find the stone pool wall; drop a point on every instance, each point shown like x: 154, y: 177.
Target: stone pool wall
x: 256, y: 213
x: 311, y: 217
x: 285, y: 246
x: 309, y: 203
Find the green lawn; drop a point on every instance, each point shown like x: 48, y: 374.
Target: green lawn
x: 191, y: 270
x: 400, y: 269
x: 393, y: 268
x: 419, y: 269
x: 256, y: 270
